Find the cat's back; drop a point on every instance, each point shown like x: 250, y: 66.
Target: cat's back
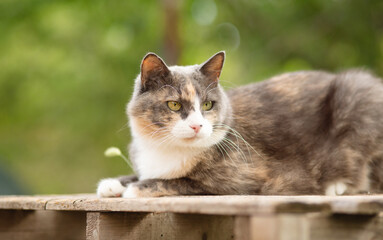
x: 281, y: 87
x: 300, y: 91
x: 280, y: 98
x: 296, y: 111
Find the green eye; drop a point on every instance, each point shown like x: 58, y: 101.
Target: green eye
x: 174, y: 106
x: 206, y: 106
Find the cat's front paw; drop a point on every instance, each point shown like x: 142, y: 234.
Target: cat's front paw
x: 110, y: 187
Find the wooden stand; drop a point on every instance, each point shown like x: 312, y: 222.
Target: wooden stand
x: 197, y: 217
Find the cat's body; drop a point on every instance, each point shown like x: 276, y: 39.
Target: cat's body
x: 298, y: 133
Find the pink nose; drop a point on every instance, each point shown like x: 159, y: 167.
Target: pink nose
x: 196, y: 128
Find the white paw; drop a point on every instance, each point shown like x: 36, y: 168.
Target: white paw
x: 336, y: 189
x: 131, y: 192
x: 110, y: 187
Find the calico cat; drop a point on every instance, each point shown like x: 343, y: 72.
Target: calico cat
x: 308, y: 132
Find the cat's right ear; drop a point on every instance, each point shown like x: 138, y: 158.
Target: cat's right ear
x: 153, y: 71
x: 212, y: 68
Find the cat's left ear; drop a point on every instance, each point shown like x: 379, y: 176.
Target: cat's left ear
x: 212, y: 68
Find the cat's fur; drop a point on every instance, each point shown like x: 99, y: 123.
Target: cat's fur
x: 308, y: 132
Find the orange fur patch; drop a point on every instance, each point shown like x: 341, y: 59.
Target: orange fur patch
x: 189, y: 92
x: 147, y: 128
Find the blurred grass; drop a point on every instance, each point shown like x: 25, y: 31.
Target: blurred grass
x: 67, y: 68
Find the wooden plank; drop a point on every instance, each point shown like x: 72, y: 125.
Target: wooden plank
x: 293, y: 227
x: 242, y: 228
x: 263, y: 227
x: 226, y: 205
x: 316, y: 226
x: 172, y: 226
x: 23, y: 202
x: 228, y: 217
x: 346, y: 227
x: 221, y: 205
x: 206, y: 205
x: 92, y: 226
x: 21, y: 224
x: 37, y: 202
x: 279, y: 227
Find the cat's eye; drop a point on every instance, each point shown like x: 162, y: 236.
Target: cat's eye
x: 174, y: 106
x: 206, y: 106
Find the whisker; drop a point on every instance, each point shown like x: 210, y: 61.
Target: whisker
x: 224, y: 148
x: 243, y: 156
x: 237, y: 134
x: 240, y: 136
x: 209, y: 86
x: 125, y: 126
x: 164, y: 139
x: 210, y: 90
x: 219, y: 148
x: 167, y: 85
x: 231, y: 83
x: 152, y: 132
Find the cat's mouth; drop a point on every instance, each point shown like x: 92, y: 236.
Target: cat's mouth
x: 190, y: 138
x: 193, y: 138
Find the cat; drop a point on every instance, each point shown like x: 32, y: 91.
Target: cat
x: 300, y: 133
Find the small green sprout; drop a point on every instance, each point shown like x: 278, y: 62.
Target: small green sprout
x: 116, y: 152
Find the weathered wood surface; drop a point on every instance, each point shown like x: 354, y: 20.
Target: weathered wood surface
x: 151, y: 226
x: 345, y: 226
x: 219, y: 205
x: 42, y: 225
x: 195, y: 217
x: 312, y: 226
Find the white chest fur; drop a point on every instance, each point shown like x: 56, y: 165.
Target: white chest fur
x: 166, y: 163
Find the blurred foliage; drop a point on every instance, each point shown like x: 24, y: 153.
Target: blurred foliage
x: 67, y: 68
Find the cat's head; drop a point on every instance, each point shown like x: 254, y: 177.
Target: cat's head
x: 179, y: 106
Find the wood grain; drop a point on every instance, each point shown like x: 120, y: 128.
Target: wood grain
x: 315, y: 226
x: 42, y: 225
x: 242, y: 228
x: 172, y: 226
x: 93, y: 226
x: 195, y: 217
x: 346, y: 227
x: 221, y: 205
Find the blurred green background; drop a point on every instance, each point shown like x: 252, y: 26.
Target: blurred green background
x: 67, y: 68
